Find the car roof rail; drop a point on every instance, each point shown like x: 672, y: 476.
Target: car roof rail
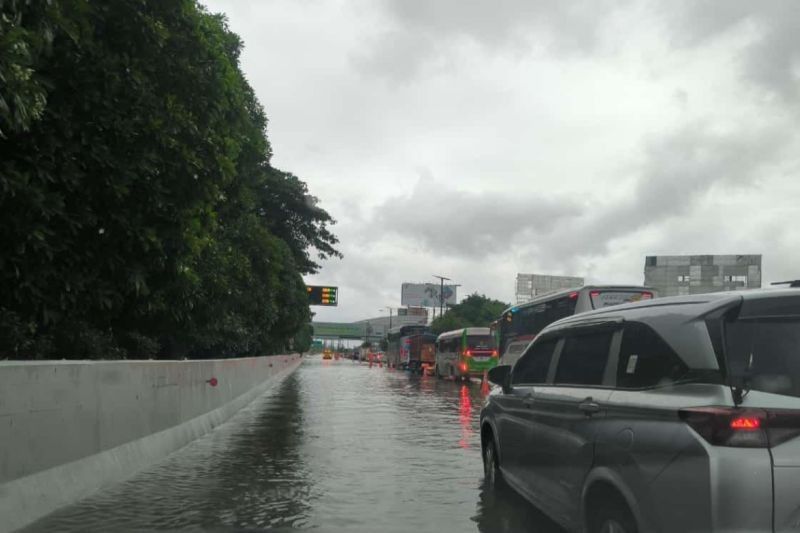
x: 793, y: 284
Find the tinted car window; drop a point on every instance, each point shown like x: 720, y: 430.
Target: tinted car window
x: 583, y: 359
x: 646, y: 360
x: 765, y: 353
x: 532, y: 367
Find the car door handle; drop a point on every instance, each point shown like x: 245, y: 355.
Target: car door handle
x: 589, y: 407
x: 527, y: 401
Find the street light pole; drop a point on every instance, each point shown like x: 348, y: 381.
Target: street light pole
x: 441, y: 292
x: 390, y: 314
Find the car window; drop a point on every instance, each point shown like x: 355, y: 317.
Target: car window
x: 532, y: 367
x: 764, y: 354
x: 646, y: 360
x: 583, y: 359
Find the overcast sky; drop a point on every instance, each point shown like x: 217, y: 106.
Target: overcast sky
x: 481, y: 139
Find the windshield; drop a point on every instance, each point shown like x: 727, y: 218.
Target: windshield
x: 765, y: 354
x: 480, y: 342
x: 602, y: 298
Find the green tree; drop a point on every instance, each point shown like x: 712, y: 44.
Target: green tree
x: 474, y: 311
x: 138, y: 208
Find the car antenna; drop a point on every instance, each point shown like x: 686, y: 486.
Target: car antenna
x: 793, y: 284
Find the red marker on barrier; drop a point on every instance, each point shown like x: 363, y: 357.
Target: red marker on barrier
x: 213, y: 382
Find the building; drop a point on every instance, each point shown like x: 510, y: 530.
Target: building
x: 673, y: 275
x: 531, y: 285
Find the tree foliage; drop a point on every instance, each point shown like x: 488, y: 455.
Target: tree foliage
x: 139, y: 211
x: 474, y: 311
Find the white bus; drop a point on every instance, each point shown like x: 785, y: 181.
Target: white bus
x: 520, y: 324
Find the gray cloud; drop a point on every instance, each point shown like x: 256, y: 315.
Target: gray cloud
x: 527, y: 111
x: 771, y: 59
x: 421, y: 33
x: 677, y: 173
x: 470, y: 224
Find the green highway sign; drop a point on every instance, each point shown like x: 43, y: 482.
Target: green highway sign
x: 337, y: 330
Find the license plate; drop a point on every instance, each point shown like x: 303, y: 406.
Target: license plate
x: 481, y: 359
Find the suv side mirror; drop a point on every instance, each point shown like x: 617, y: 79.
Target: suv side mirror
x: 501, y: 375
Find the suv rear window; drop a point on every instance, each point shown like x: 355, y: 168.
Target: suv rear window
x: 765, y: 352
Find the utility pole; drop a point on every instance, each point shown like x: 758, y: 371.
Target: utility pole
x: 441, y: 292
x: 390, y: 314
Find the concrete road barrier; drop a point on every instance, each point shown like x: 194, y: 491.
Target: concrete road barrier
x: 69, y: 428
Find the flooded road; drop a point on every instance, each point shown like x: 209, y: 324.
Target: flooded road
x: 336, y: 446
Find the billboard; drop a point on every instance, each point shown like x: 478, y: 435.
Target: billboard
x: 322, y: 295
x: 413, y: 311
x: 426, y: 294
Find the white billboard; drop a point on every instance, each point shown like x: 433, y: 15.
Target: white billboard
x: 426, y: 294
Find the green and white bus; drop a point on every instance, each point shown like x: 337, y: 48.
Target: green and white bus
x: 466, y: 352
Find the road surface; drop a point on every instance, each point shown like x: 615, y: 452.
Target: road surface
x: 337, y: 446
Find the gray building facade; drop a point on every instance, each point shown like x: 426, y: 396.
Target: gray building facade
x: 529, y: 286
x: 673, y: 275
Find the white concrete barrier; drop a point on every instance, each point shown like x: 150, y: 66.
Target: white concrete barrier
x: 69, y: 428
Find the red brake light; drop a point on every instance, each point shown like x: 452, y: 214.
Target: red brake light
x: 573, y: 295
x: 494, y: 353
x: 728, y: 426
x: 594, y: 294
x: 746, y: 423
x: 647, y: 296
x: 468, y: 353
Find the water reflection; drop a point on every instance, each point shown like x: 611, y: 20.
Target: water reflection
x: 501, y: 510
x: 465, y: 417
x: 337, y: 447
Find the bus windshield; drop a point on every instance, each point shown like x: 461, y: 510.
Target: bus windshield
x: 602, y: 299
x: 480, y: 342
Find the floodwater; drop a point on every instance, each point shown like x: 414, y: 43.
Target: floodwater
x: 336, y: 446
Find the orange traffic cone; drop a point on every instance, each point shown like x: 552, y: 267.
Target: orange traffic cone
x: 485, y: 382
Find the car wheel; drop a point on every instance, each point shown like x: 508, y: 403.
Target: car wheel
x: 491, y: 466
x: 611, y: 516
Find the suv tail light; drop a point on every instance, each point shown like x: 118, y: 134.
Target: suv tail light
x: 743, y: 428
x: 467, y: 353
x: 494, y: 353
x: 723, y: 426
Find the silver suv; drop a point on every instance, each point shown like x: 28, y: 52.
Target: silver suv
x: 675, y: 414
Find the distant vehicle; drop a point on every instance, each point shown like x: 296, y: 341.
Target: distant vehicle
x: 681, y: 414
x: 398, y: 353
x: 421, y: 350
x: 327, y: 353
x: 520, y: 324
x: 466, y: 352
